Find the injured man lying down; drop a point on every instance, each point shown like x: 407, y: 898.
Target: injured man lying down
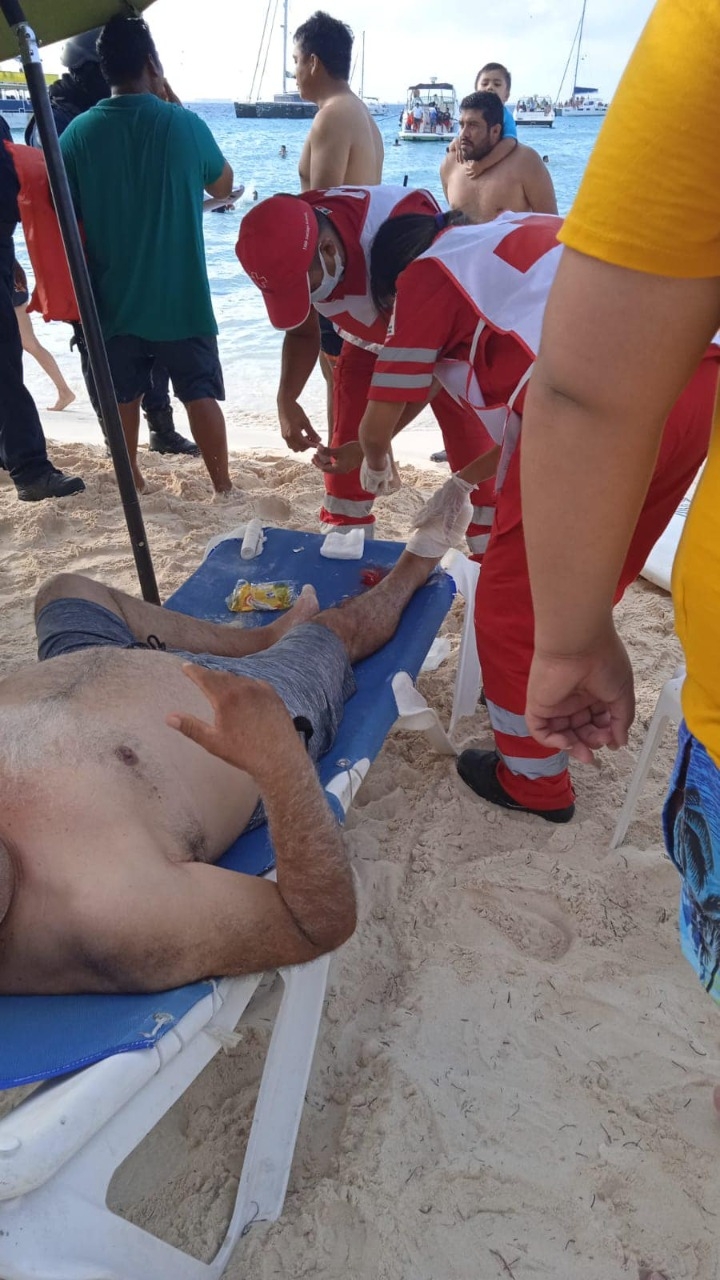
x: 134, y: 753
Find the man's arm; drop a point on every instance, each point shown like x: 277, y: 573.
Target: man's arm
x: 216, y: 922
x: 222, y: 185
x: 537, y: 183
x: 300, y: 350
x: 330, y: 142
x: 608, y: 372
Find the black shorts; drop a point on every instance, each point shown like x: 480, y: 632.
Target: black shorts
x: 193, y: 365
x: 21, y: 297
x: 330, y: 341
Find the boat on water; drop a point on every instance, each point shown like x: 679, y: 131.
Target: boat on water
x: 15, y: 105
x: 430, y: 114
x: 284, y: 105
x: 374, y: 105
x: 584, y: 100
x: 537, y: 109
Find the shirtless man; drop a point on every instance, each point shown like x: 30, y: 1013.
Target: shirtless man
x: 478, y: 186
x: 126, y: 770
x: 344, y: 146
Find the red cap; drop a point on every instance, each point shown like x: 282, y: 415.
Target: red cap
x: 276, y: 246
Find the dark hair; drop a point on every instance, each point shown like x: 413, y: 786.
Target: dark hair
x: 397, y: 243
x: 488, y: 104
x: 124, y: 46
x: 330, y: 40
x: 495, y: 66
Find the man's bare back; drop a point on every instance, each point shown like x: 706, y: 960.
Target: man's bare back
x: 482, y: 190
x: 125, y: 772
x: 344, y: 146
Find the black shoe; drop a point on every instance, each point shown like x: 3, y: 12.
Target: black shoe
x: 439, y: 457
x: 172, y: 442
x: 51, y: 484
x: 479, y: 770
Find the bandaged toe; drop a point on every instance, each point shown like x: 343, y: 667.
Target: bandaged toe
x: 448, y: 513
x: 428, y: 543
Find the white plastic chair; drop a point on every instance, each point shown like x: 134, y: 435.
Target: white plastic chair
x: 668, y: 708
x: 465, y: 574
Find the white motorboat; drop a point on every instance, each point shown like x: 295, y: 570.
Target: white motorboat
x: 537, y: 109
x: 431, y: 113
x: 15, y: 105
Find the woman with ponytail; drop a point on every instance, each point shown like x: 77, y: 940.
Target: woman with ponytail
x: 466, y: 306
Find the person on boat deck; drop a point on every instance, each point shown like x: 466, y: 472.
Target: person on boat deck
x: 309, y: 255
x: 127, y: 769
x: 468, y: 310
x: 151, y: 289
x: 344, y: 145
x: 635, y: 301
x: 482, y: 188
x: 81, y: 87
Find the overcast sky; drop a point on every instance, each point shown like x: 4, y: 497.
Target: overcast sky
x: 213, y: 55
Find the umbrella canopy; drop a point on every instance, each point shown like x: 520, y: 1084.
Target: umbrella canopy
x: 53, y: 20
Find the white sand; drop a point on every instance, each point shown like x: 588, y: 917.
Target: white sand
x: 514, y: 1071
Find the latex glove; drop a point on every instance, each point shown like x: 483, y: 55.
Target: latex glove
x: 443, y: 520
x: 382, y: 482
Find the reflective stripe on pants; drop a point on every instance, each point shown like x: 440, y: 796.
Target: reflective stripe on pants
x: 504, y: 625
x: 347, y: 503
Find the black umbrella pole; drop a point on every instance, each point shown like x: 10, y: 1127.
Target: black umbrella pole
x: 83, y: 291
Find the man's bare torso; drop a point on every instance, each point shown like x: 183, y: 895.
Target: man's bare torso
x: 348, y: 117
x: 501, y: 187
x: 91, y: 780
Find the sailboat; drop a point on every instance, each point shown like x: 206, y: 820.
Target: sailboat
x: 284, y: 105
x: 374, y: 105
x: 584, y: 100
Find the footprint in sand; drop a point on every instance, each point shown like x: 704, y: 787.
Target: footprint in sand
x: 533, y: 922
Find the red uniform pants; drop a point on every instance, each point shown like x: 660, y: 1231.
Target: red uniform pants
x: 534, y: 776
x: 465, y: 438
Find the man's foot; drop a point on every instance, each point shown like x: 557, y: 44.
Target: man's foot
x: 440, y: 456
x: 479, y: 770
x: 173, y: 442
x: 51, y: 484
x: 304, y: 609
x: 65, y: 398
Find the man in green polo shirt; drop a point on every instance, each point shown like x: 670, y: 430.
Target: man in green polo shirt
x: 137, y: 165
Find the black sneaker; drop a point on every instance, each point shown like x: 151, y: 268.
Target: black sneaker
x: 172, y: 442
x: 51, y: 484
x: 441, y: 456
x: 479, y: 770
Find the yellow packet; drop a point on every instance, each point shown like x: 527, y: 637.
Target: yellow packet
x: 261, y: 597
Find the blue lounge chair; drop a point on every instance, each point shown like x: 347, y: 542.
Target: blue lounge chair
x: 113, y: 1065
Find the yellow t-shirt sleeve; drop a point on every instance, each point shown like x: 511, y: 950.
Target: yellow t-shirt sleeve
x: 650, y: 197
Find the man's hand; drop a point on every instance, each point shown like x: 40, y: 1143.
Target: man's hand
x: 250, y: 720
x: 339, y: 460
x: 170, y: 94
x: 19, y: 278
x: 297, y: 430
x: 582, y: 702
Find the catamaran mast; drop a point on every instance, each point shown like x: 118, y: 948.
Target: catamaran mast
x: 283, y: 82
x: 579, y: 45
x: 362, y: 69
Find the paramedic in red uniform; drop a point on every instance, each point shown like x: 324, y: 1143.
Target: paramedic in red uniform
x: 468, y: 310
x: 310, y: 255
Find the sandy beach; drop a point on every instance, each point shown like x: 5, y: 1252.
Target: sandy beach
x: 514, y: 1072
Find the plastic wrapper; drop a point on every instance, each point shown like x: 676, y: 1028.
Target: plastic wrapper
x: 261, y: 597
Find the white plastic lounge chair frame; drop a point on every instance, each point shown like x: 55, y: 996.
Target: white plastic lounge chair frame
x: 668, y: 708
x: 60, y: 1148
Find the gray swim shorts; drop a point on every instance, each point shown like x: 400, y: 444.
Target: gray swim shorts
x: 308, y: 667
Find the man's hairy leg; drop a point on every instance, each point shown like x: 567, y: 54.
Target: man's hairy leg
x: 177, y: 630
x: 367, y: 622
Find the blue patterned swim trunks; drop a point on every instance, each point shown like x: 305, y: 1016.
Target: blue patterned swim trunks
x: 691, y: 824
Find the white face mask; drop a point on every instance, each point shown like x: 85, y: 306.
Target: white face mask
x: 328, y: 282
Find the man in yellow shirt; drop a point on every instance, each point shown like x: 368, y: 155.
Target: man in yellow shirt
x: 635, y: 302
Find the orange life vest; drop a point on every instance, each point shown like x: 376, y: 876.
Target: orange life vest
x: 53, y: 295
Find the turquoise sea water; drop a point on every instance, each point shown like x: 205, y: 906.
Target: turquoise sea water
x: 249, y: 347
